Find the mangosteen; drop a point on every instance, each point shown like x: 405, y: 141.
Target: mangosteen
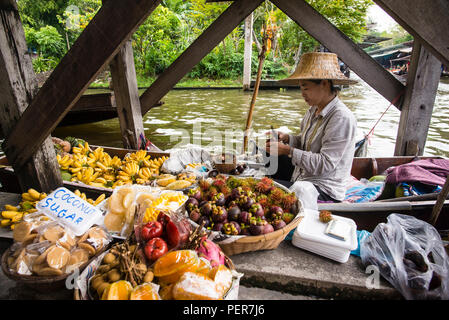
x: 195, y: 193
x: 245, y: 231
x: 206, y: 208
x: 257, y: 210
x: 267, y: 228
x: 236, y: 193
x: 206, y: 221
x: 245, y: 217
x: 234, y: 213
x: 257, y: 226
x: 195, y: 215
x: 234, y: 172
x: 278, y: 224
x: 218, y: 226
x: 246, y: 202
x: 276, y: 212
x: 201, y: 203
x: 219, y: 199
x: 231, y: 228
x: 219, y: 214
x: 213, y: 173
x: 191, y: 204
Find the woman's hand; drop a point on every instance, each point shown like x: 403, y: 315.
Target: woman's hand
x: 276, y: 148
x: 280, y: 136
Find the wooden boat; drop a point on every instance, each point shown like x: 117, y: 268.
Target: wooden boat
x: 10, y: 183
x: 366, y: 215
x: 93, y: 108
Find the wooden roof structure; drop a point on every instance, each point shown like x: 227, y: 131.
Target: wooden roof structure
x: 28, y: 115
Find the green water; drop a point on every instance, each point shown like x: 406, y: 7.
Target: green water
x: 215, y: 119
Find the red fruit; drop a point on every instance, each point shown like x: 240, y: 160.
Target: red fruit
x: 155, y: 248
x: 151, y: 230
x: 163, y: 218
x: 177, y: 233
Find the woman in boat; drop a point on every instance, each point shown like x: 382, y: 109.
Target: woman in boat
x: 323, y: 151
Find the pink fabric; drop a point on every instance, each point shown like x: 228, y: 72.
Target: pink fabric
x: 429, y: 171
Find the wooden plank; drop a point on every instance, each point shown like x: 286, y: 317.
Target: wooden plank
x: 93, y: 49
x: 93, y: 101
x: 247, y: 53
x: 422, y: 84
x: 210, y: 38
x: 427, y: 21
x: 18, y: 86
x: 348, y: 51
x: 124, y: 82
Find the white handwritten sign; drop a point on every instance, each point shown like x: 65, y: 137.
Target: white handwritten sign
x: 70, y: 210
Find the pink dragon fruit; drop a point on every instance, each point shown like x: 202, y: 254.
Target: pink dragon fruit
x: 211, y: 251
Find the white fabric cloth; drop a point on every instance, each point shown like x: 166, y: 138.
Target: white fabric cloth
x: 324, y: 150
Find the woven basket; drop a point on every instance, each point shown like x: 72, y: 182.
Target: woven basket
x: 225, y: 166
x: 263, y: 242
x: 40, y: 283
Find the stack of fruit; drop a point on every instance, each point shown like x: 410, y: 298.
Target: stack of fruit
x: 15, y: 214
x: 165, y: 260
x: 241, y: 206
x: 97, y: 168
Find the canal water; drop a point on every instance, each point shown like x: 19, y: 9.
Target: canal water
x: 216, y: 119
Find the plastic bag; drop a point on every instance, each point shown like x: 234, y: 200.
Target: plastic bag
x: 410, y: 255
x: 307, y: 193
x: 181, y: 158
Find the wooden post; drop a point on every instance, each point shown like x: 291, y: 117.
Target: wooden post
x: 18, y: 86
x: 349, y: 52
x: 247, y: 54
x: 208, y: 40
x: 97, y: 45
x: 126, y: 93
x: 422, y: 84
x: 256, y: 91
x: 440, y: 202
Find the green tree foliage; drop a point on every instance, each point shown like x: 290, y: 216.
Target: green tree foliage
x: 51, y: 28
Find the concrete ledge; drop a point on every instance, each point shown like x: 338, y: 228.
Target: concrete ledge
x: 293, y: 270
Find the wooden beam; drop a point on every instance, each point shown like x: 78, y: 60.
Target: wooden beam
x: 427, y: 21
x: 348, y: 51
x: 422, y: 83
x: 210, y: 38
x: 18, y: 86
x: 114, y: 23
x: 124, y: 83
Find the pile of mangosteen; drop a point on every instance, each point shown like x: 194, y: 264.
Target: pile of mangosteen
x: 247, y: 209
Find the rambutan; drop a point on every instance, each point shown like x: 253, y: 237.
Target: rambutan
x: 325, y: 216
x: 288, y: 200
x: 276, y: 194
x: 204, y: 185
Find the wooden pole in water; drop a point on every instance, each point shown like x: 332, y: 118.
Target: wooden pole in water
x: 256, y: 89
x: 440, y: 202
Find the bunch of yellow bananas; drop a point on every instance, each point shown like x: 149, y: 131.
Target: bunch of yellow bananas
x: 15, y: 214
x: 97, y: 168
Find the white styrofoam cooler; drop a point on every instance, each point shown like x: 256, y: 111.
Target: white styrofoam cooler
x: 310, y: 235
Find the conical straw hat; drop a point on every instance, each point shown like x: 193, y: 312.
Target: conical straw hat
x: 318, y: 65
